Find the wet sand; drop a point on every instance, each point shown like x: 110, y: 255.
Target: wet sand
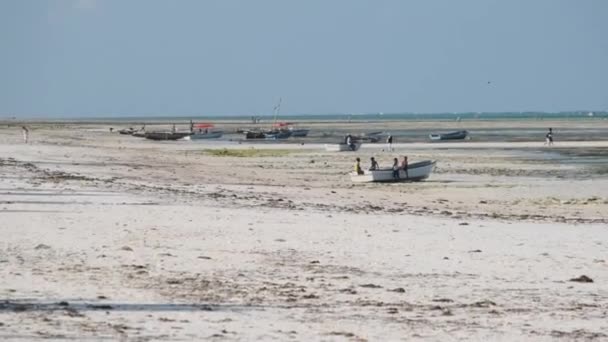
x: 114, y: 237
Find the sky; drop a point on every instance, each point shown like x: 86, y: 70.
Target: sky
x: 87, y: 58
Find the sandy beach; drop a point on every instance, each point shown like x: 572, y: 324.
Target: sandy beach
x: 111, y: 237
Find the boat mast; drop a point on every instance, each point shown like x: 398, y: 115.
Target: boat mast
x: 276, y: 112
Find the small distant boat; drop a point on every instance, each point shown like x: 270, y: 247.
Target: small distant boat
x: 139, y: 134
x: 279, y: 129
x: 268, y: 135
x: 342, y: 147
x: 458, y: 135
x: 127, y: 131
x: 167, y: 135
x: 204, y: 131
x: 299, y: 133
x: 277, y: 134
x: 254, y: 135
x: 208, y: 135
x: 415, y: 172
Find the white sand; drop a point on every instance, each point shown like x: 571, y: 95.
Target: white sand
x: 187, y: 246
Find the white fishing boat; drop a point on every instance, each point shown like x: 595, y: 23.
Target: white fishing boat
x: 342, y: 147
x: 206, y: 135
x: 415, y: 172
x: 205, y: 131
x: 458, y: 135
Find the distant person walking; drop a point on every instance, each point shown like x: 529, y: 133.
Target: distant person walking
x: 26, y: 134
x: 389, y: 142
x: 549, y: 137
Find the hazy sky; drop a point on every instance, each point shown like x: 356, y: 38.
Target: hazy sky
x: 205, y: 57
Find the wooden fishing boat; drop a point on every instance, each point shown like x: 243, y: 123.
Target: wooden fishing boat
x: 205, y: 131
x: 415, y: 172
x: 127, y: 131
x: 167, y: 135
x: 206, y: 135
x: 299, y: 132
x: 458, y: 135
x: 277, y: 134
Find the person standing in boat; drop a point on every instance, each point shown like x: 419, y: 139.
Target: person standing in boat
x: 374, y: 164
x: 395, y: 168
x: 358, y: 168
x: 389, y: 142
x: 549, y: 137
x: 404, y: 166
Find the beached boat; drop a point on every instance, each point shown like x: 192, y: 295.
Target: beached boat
x: 167, y: 135
x: 458, y: 135
x: 299, y: 133
x: 342, y: 147
x: 127, y: 131
x: 268, y: 135
x: 374, y: 137
x: 206, y: 135
x: 139, y: 134
x: 254, y: 135
x: 415, y: 172
x: 204, y: 131
x: 277, y: 134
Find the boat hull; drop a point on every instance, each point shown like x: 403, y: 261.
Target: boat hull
x: 299, y: 133
x: 415, y: 172
x: 209, y: 135
x: 341, y: 147
x: 167, y: 135
x: 277, y: 135
x: 460, y: 135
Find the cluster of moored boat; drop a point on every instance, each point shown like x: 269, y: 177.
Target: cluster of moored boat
x: 206, y: 131
x: 196, y: 132
x: 281, y: 130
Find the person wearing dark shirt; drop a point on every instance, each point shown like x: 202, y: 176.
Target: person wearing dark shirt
x: 549, y: 137
x: 389, y: 141
x: 374, y: 164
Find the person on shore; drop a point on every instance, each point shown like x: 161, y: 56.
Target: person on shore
x: 389, y: 142
x: 173, y: 129
x: 395, y: 168
x: 26, y: 134
x: 374, y: 164
x: 549, y: 137
x: 404, y: 166
x: 349, y: 142
x: 358, y: 168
